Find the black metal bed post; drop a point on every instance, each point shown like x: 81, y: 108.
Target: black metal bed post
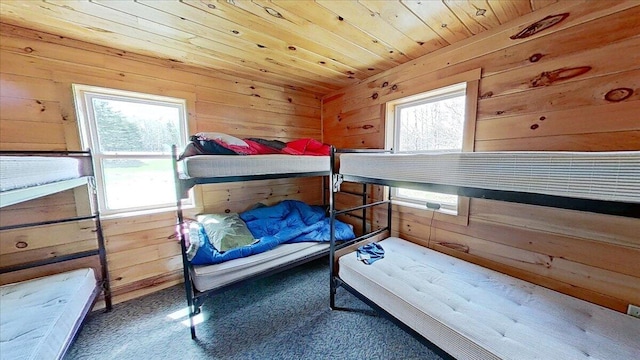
x: 102, y: 252
x: 188, y: 287
x: 389, y: 209
x: 332, y: 218
x: 364, y: 209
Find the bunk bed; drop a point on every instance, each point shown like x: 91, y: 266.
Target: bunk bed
x: 41, y: 317
x: 202, y: 281
x: 472, y: 312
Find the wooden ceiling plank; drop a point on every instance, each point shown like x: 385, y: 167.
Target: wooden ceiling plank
x: 157, y: 33
x: 188, y: 19
x: 40, y: 47
x: 304, y: 33
x: 539, y: 4
x: 509, y: 10
x: 316, y: 14
x: 407, y: 22
x: 16, y: 39
x: 496, y: 39
x: 476, y: 15
x: 374, y: 26
x: 24, y: 15
x: 439, y: 18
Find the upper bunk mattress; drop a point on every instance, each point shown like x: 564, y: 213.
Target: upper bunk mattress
x: 207, y: 277
x: 38, y: 316
x: 203, y: 166
x: 609, y: 176
x: 24, y: 171
x: 473, y: 312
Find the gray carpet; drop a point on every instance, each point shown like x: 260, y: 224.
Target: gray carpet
x: 284, y: 316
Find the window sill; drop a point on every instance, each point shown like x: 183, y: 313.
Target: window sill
x: 122, y: 215
x: 459, y: 217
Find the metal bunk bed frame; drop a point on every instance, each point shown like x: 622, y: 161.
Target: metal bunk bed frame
x: 597, y: 206
x: 195, y: 298
x: 49, y: 189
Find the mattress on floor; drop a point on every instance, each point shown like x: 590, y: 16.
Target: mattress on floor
x: 18, y: 172
x: 207, y: 277
x: 200, y: 166
x: 38, y: 317
x: 473, y: 312
x: 610, y: 176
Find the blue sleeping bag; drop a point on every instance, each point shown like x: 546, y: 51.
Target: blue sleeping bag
x: 287, y: 222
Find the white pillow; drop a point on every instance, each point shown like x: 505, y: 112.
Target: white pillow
x: 231, y: 140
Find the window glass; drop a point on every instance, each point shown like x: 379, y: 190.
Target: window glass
x: 131, y: 135
x: 431, y: 123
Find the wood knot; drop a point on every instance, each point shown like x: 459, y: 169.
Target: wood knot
x: 371, y: 69
x: 290, y: 100
x: 499, y: 112
x: 235, y: 32
x: 535, y: 57
x: 374, y: 96
x: 539, y: 26
x: 273, y: 12
x: 28, y: 50
x: 226, y: 211
x: 367, y: 127
x: 486, y: 95
x: 394, y: 87
x: 211, y: 6
x: 340, y: 18
x: 534, y: 126
x: 321, y: 62
x: 549, y: 77
x: 385, y: 84
x: 619, y: 94
x: 292, y: 48
x: 21, y: 245
x: 543, y: 118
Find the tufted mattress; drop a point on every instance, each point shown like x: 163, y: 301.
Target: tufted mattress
x: 609, y: 176
x: 207, y: 277
x: 39, y: 317
x: 476, y: 313
x: 227, y: 165
x: 23, y: 171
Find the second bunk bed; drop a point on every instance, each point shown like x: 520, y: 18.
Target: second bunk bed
x: 468, y: 311
x: 204, y: 280
x: 41, y: 316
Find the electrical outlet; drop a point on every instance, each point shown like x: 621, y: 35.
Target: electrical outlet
x: 633, y: 310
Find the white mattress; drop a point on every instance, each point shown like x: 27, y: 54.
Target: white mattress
x: 228, y: 165
x: 38, y: 316
x: 475, y: 313
x: 611, y: 176
x: 207, y: 277
x: 23, y: 171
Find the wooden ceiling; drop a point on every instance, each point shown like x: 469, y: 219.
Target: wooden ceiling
x: 317, y: 46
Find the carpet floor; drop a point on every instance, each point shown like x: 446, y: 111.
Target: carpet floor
x: 284, y: 316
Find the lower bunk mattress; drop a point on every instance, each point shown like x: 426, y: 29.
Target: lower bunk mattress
x: 209, y: 277
x: 40, y: 317
x: 473, y: 312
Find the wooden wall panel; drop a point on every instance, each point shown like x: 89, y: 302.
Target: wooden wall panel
x: 36, y: 73
x: 559, y: 89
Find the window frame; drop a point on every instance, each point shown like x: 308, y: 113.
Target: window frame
x: 471, y: 79
x: 88, y: 130
x: 428, y: 97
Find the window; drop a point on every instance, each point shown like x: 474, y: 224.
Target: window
x: 130, y: 136
x: 431, y: 122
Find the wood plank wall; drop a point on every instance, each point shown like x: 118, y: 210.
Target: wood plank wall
x: 572, y: 86
x: 37, y: 113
